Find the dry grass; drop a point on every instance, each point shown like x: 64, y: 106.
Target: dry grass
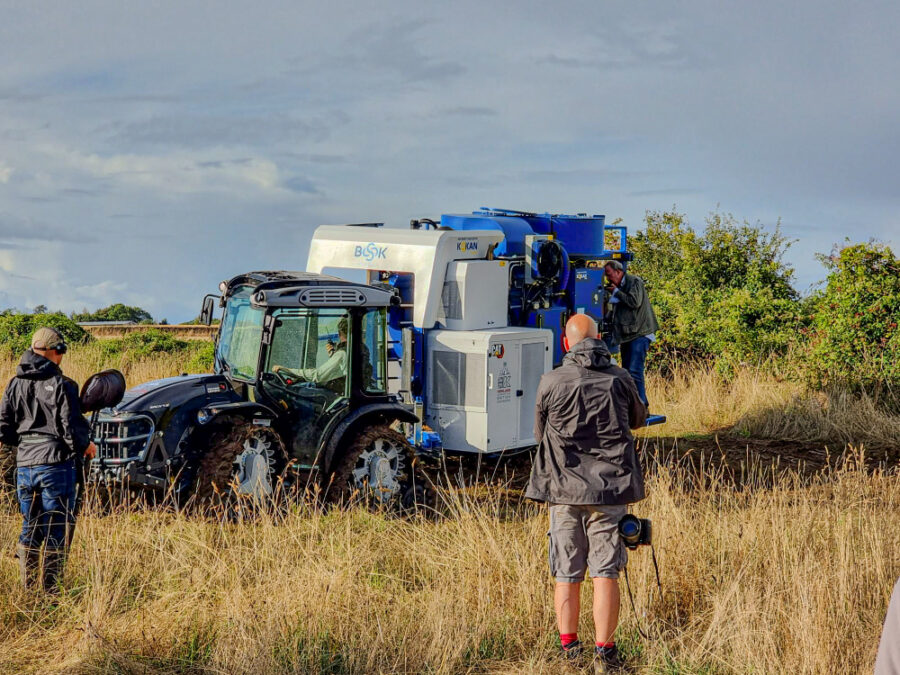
x: 790, y: 579
x: 786, y: 574
x: 752, y: 403
x: 84, y: 360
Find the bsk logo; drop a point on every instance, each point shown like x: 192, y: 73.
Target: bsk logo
x: 467, y: 245
x: 370, y: 252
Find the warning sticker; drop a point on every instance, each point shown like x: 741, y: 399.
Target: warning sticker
x: 504, y: 385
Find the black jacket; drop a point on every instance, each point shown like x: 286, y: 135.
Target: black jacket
x: 41, y: 414
x: 584, y: 414
x: 632, y: 315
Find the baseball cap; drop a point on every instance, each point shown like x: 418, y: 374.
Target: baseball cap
x: 47, y: 338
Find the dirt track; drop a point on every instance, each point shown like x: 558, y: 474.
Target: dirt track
x: 734, y: 459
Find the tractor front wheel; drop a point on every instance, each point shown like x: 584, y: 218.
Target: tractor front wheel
x: 242, y: 465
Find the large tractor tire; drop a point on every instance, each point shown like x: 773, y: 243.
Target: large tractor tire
x: 379, y: 468
x: 243, y: 463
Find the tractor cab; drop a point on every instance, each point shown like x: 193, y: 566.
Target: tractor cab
x: 308, y: 346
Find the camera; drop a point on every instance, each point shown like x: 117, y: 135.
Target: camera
x: 635, y: 531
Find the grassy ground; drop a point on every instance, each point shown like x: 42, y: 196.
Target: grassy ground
x: 764, y: 569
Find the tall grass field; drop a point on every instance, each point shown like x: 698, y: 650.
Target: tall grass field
x: 774, y: 521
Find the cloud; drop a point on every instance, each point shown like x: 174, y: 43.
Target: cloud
x: 399, y: 49
x: 28, y: 229
x: 192, y: 130
x: 45, y: 282
x: 665, y: 192
x: 181, y: 173
x: 662, y: 45
x: 465, y: 111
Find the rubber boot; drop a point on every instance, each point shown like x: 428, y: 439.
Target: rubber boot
x: 54, y: 563
x: 29, y: 564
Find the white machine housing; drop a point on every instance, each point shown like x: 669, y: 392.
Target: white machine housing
x: 475, y: 295
x: 481, y: 386
x: 426, y: 254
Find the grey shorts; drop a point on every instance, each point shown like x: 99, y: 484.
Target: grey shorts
x: 586, y: 538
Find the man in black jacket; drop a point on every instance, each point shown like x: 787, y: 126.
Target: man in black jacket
x: 633, y: 322
x: 41, y: 416
x: 587, y: 469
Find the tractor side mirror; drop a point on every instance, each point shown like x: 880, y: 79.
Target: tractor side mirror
x: 102, y: 390
x: 206, y: 312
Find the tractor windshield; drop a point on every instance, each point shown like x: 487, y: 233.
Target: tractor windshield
x: 239, y: 336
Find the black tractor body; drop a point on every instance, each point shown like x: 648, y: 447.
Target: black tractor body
x: 299, y: 393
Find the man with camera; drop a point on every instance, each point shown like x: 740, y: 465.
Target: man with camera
x: 587, y: 470
x: 41, y: 416
x: 633, y: 323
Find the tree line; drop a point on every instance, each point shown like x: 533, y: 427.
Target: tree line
x: 724, y: 294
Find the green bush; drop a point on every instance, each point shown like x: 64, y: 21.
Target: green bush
x: 723, y: 294
x: 198, y: 354
x: 16, y: 330
x: 116, y: 312
x: 202, y: 359
x: 854, y: 340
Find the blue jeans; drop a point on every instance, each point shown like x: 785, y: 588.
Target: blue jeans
x: 634, y: 354
x: 46, y: 499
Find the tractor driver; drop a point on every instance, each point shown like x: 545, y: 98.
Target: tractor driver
x: 331, y: 374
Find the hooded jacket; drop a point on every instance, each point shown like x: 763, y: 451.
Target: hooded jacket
x: 584, y: 414
x: 41, y: 414
x: 632, y: 316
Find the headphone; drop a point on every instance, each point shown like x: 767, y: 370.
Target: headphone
x: 60, y: 347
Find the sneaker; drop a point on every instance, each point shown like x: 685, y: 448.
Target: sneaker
x: 572, y: 651
x: 608, y: 660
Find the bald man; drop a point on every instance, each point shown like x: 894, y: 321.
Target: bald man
x: 587, y: 470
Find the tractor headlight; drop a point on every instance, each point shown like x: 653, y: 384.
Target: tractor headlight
x: 203, y: 416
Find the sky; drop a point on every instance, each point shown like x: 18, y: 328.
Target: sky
x: 150, y: 150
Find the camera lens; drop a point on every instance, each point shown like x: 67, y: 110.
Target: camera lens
x: 630, y: 529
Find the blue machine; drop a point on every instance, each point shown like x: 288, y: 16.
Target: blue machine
x: 560, y: 263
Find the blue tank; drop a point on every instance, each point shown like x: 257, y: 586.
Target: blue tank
x: 581, y: 234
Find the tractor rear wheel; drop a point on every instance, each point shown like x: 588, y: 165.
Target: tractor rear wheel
x: 380, y: 469
x: 242, y: 465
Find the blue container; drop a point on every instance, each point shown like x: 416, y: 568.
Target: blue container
x: 514, y: 225
x: 581, y: 234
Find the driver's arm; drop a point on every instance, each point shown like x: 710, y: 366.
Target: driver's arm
x: 332, y: 369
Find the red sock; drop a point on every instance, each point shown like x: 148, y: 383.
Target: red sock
x: 606, y: 645
x: 565, y: 639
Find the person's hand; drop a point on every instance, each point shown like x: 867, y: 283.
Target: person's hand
x: 275, y: 369
x: 91, y: 451
x: 329, y: 347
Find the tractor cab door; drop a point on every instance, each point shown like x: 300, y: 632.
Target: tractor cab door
x: 305, y: 373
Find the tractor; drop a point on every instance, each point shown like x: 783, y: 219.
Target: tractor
x: 299, y: 394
